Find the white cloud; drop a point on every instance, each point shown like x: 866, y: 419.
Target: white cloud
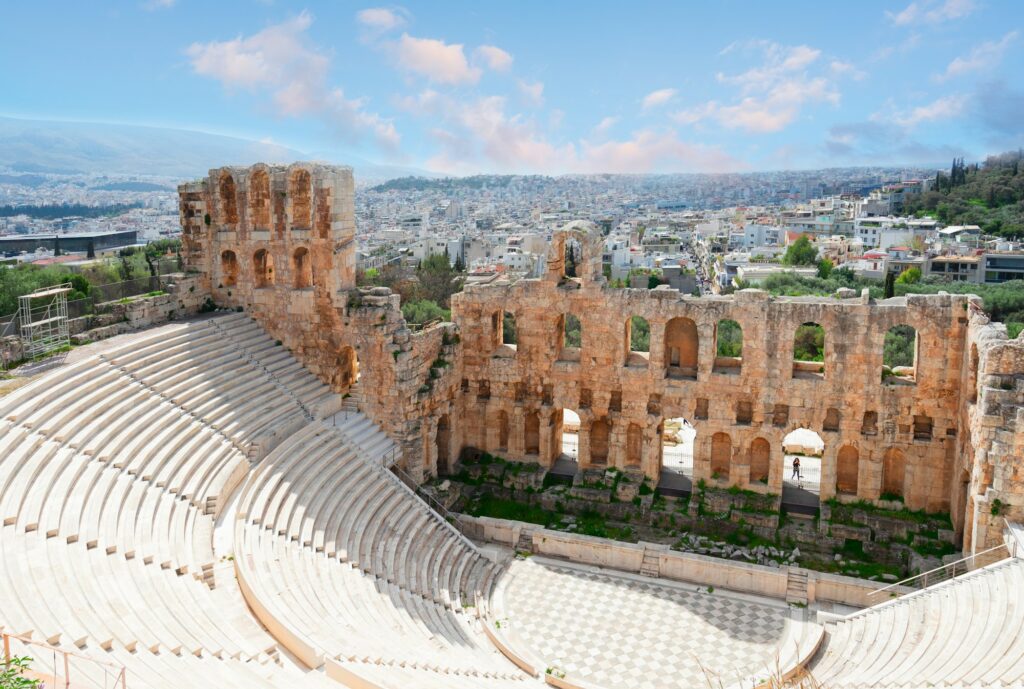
x: 602, y: 127
x: 841, y: 68
x: 436, y: 60
x: 494, y: 57
x: 772, y: 94
x: 930, y: 12
x: 381, y: 19
x: 153, y: 5
x: 944, y: 108
x: 482, y: 135
x: 657, y: 98
x: 279, y: 62
x: 532, y: 92
x: 985, y: 56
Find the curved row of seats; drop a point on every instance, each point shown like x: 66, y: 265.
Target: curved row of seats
x: 967, y: 631
x: 345, y: 562
x: 108, y: 493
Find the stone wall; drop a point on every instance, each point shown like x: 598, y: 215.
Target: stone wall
x: 735, y: 404
x: 279, y: 242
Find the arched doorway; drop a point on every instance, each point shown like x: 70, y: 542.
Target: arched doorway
x: 801, y: 490
x: 893, y: 472
x: 600, y: 435
x: 228, y: 268
x: 531, y: 433
x: 348, y: 367
x: 302, y: 269
x: 263, y: 268
x: 503, y: 431
x: 760, y: 460
x: 721, y: 456
x: 677, y: 442
x: 682, y: 344
x: 570, y: 440
x: 847, y: 470
x: 441, y: 439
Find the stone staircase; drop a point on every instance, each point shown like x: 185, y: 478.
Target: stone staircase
x: 525, y: 542
x: 796, y: 586
x: 352, y: 400
x: 650, y: 567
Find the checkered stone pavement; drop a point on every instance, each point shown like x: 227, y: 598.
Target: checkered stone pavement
x: 621, y: 633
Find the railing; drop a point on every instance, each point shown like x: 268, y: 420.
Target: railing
x: 453, y: 523
x: 53, y: 663
x: 944, y: 573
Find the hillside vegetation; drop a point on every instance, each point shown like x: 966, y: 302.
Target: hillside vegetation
x: 990, y: 195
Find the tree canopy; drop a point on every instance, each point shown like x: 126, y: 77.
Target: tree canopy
x: 801, y: 253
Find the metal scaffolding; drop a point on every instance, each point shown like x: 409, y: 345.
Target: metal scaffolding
x: 44, y: 320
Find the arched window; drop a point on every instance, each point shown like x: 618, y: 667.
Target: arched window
x: 634, y: 445
x: 893, y: 474
x: 847, y: 470
x: 228, y: 200
x: 300, y: 191
x: 600, y: 432
x: 532, y: 433
x: 899, y: 356
x: 302, y: 268
x: 809, y: 351
x: 637, y: 341
x: 573, y: 258
x: 259, y: 200
x: 681, y: 348
x: 728, y: 347
x: 760, y: 460
x: 571, y: 337
x: 263, y: 265
x: 509, y: 334
x: 228, y: 268
x: 721, y: 455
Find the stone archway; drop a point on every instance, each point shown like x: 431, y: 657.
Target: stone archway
x: 894, y: 468
x: 600, y: 437
x: 847, y: 470
x: 348, y: 367
x: 721, y: 456
x: 760, y: 460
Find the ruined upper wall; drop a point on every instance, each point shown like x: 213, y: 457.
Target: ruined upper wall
x: 626, y: 396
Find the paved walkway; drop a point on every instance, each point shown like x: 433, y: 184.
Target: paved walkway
x: 626, y: 632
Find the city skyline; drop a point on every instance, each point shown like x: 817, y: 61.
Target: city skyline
x: 461, y: 89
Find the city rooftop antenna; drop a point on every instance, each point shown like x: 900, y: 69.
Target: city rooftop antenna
x: 44, y: 320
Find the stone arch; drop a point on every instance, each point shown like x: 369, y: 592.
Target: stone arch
x: 634, y: 445
x: 637, y: 341
x: 300, y: 191
x: 760, y: 460
x: 894, y: 469
x: 728, y: 347
x: 229, y: 268
x: 600, y: 436
x: 847, y: 470
x: 531, y: 433
x: 809, y: 351
x: 503, y: 430
x: 899, y: 355
x: 259, y: 200
x: 302, y: 268
x: 228, y: 199
x: 263, y: 268
x: 442, y: 440
x: 721, y: 455
x: 348, y: 366
x: 682, y: 345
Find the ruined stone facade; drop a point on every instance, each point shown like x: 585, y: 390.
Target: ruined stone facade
x: 279, y: 242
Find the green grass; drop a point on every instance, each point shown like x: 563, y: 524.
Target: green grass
x: 500, y: 508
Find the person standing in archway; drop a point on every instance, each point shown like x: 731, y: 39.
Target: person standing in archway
x: 796, y: 468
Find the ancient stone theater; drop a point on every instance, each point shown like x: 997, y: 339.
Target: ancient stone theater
x: 253, y: 493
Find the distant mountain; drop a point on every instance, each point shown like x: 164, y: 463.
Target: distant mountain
x: 46, y: 146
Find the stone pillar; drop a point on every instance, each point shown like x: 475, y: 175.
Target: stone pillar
x: 517, y: 432
x: 829, y: 468
x: 617, y: 440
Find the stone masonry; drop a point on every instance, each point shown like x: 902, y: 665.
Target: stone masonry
x: 279, y: 242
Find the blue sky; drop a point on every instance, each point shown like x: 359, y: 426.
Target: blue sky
x: 545, y: 87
